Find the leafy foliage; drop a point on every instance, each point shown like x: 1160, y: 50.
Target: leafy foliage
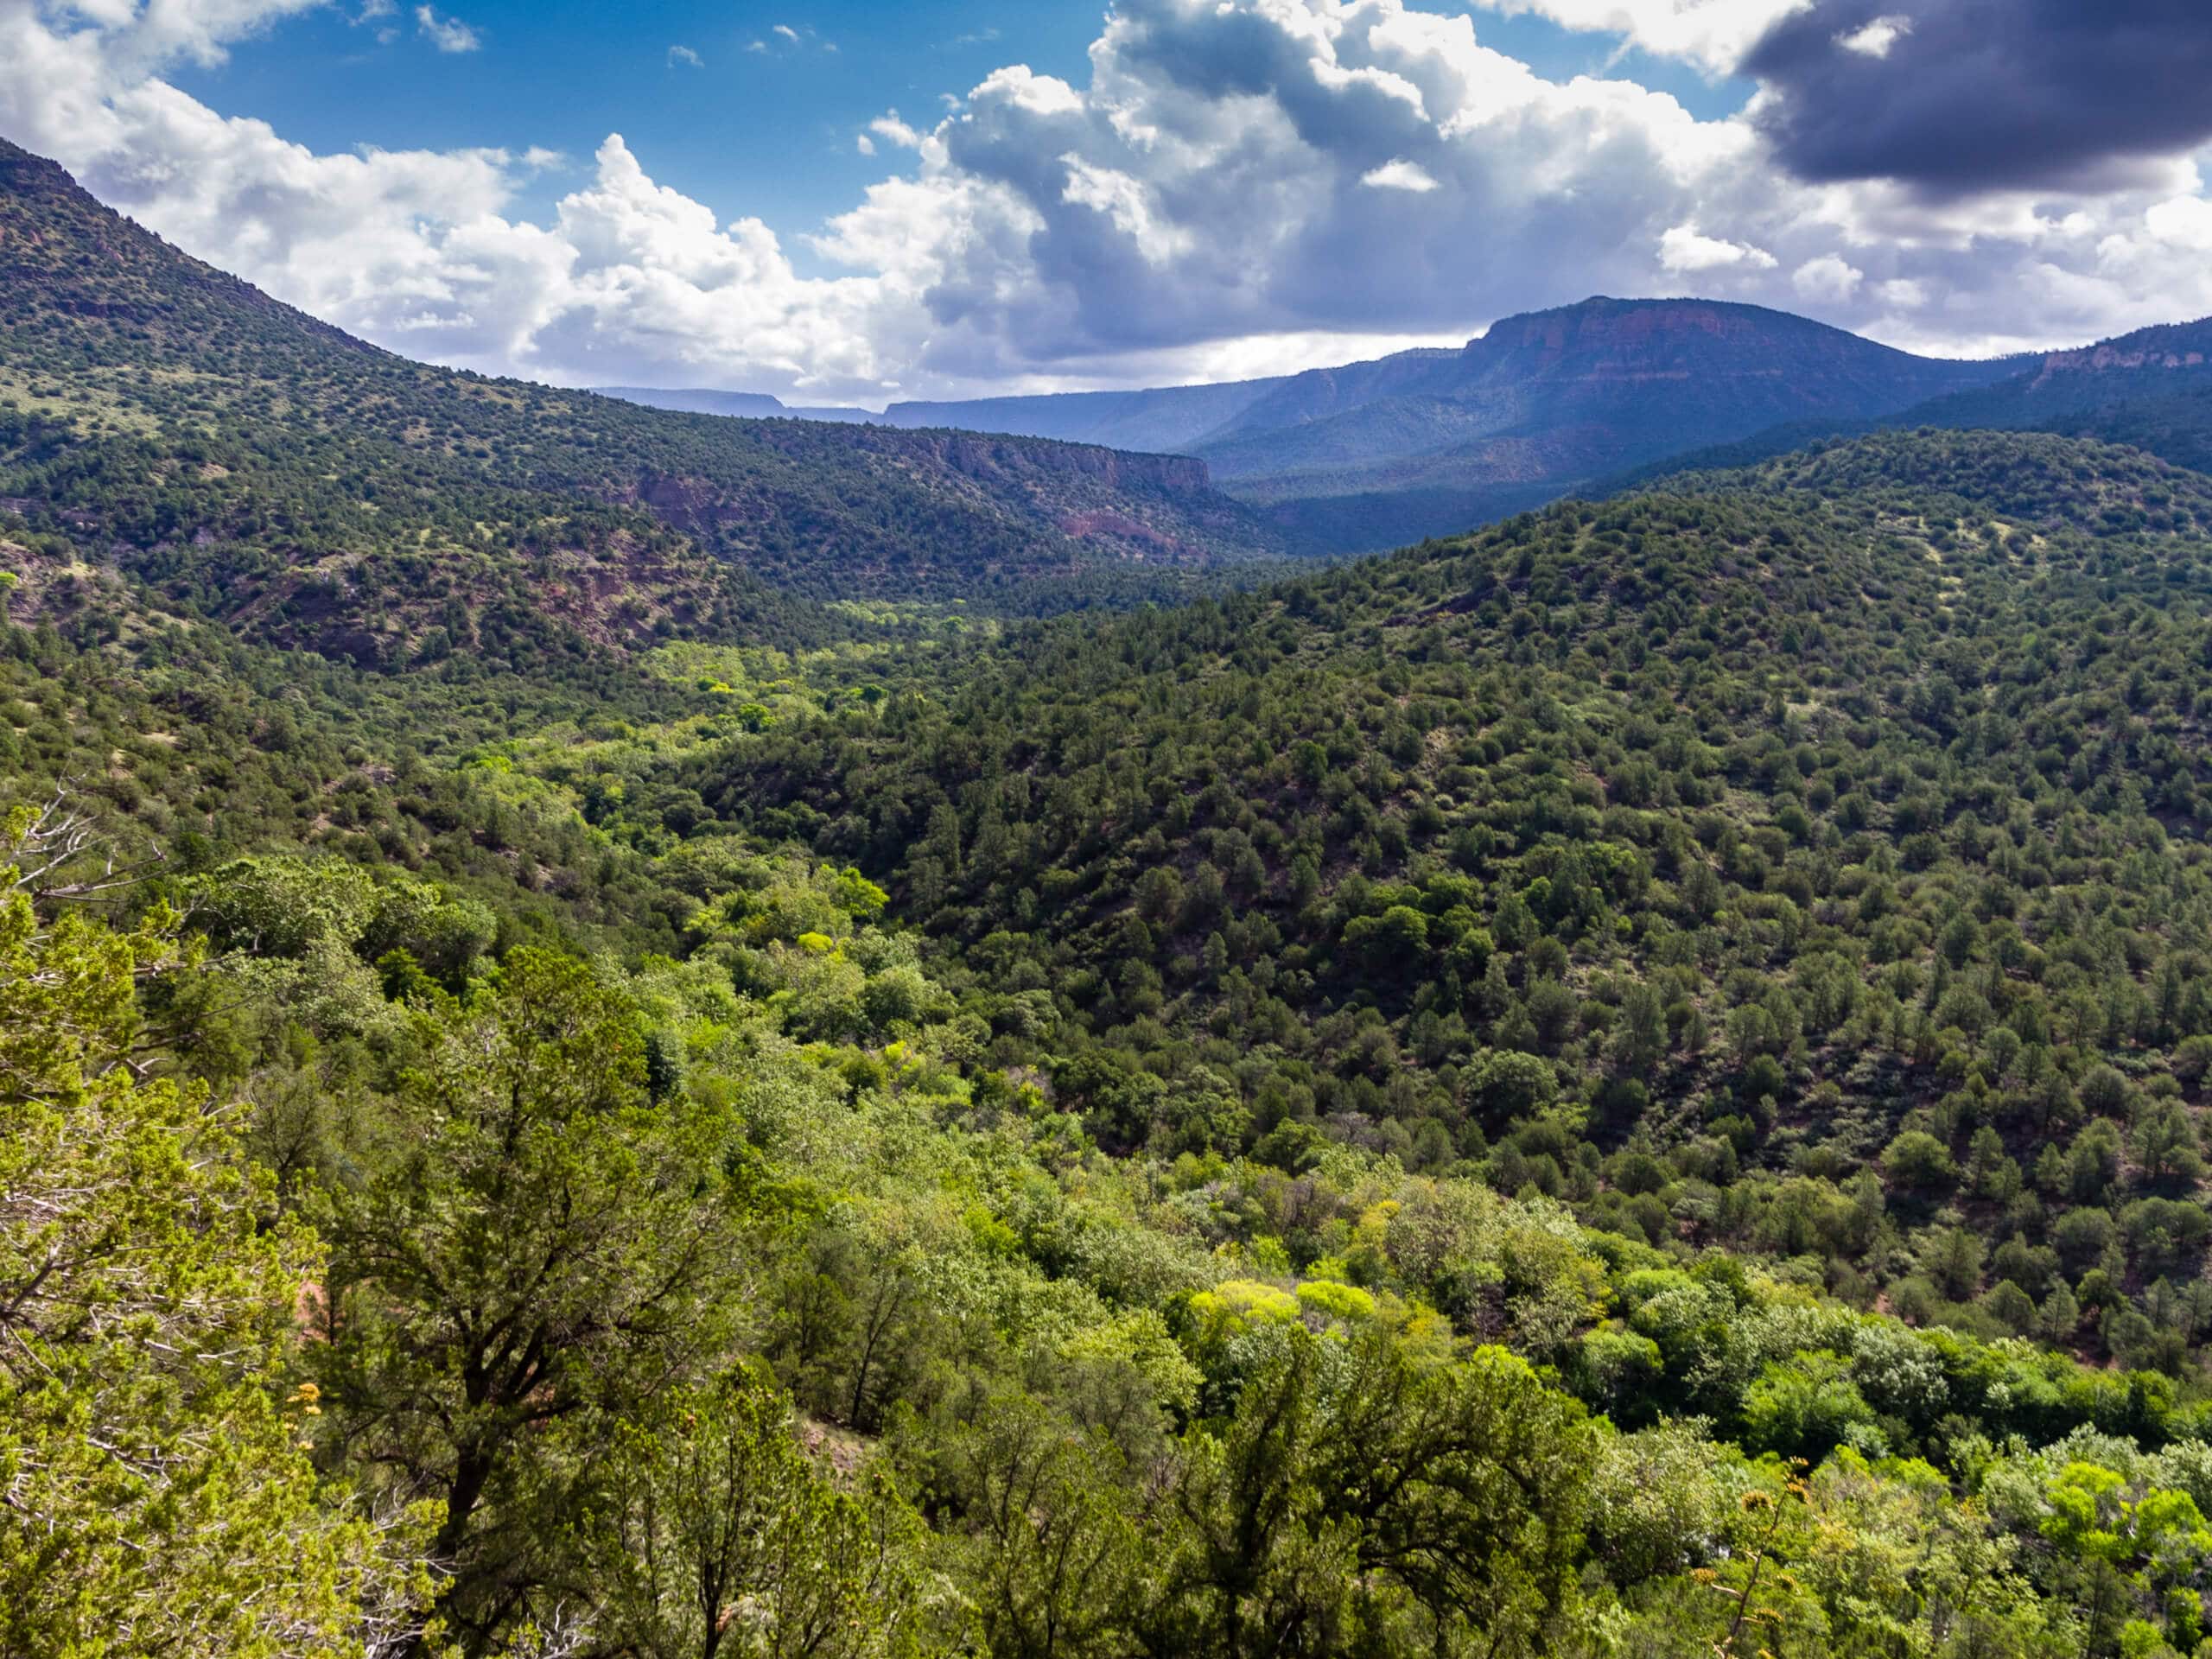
x: 156, y: 1498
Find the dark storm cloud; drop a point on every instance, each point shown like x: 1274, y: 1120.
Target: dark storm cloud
x: 1973, y: 94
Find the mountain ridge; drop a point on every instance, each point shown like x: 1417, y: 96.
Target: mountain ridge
x: 2149, y: 389
x: 1361, y: 456
x: 162, y: 367
x: 1601, y: 381
x: 1162, y: 416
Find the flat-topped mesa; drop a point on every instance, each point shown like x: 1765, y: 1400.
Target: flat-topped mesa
x: 1602, y: 335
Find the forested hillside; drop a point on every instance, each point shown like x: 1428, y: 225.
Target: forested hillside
x: 1752, y: 839
x: 2151, y: 389
x: 218, y: 443
x: 1631, y: 1083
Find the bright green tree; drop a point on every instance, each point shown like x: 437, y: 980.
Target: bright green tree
x: 538, y: 1252
x: 154, y: 1494
x: 713, y: 1533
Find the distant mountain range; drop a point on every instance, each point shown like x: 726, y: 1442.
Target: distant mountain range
x: 1181, y: 418
x: 1427, y: 443
x: 745, y: 405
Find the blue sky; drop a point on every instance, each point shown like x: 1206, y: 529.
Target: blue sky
x: 1170, y: 191
x: 768, y: 133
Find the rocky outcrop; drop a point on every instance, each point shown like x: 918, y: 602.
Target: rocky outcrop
x: 987, y: 459
x: 2181, y: 346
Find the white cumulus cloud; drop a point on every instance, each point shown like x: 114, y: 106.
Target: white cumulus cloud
x: 1684, y: 248
x: 1875, y: 39
x: 2184, y: 222
x: 1829, y: 279
x: 888, y: 125
x: 1237, y: 187
x: 1399, y: 176
x: 446, y: 33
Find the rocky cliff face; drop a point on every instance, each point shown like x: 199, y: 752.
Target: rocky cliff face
x: 2171, y: 346
x: 1116, y: 503
x: 996, y: 460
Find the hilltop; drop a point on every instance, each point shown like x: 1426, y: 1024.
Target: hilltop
x: 1545, y: 401
x: 2152, y: 388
